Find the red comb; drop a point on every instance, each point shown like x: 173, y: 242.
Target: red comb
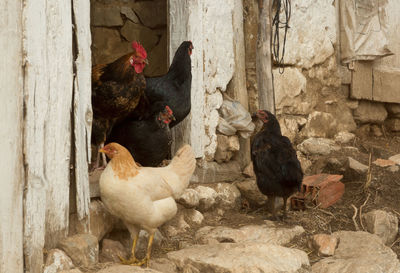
x: 139, y: 49
x: 168, y: 109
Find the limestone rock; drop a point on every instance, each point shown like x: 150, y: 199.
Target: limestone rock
x: 267, y: 233
x: 151, y: 13
x: 376, y: 130
x: 228, y: 196
x: 210, y: 172
x: 106, y: 16
x: 179, y: 224
x: 343, y: 115
x: 395, y: 158
x: 384, y: 224
x: 157, y: 58
x: 394, y: 169
x: 75, y: 270
x: 137, y: 32
x: 320, y: 124
x: 189, y: 198
x: 83, y: 249
x: 318, y: 146
x: 193, y: 216
x: 359, y: 252
x: 56, y: 261
x: 370, y: 112
x: 249, y: 190
x: 226, y: 148
x: 393, y: 109
x: 393, y: 124
x: 130, y: 14
x: 304, y: 161
x: 289, y: 88
x: 289, y: 127
x: 119, y: 268
x: 384, y: 162
x: 357, y: 166
x: 325, y: 244
x: 207, y: 197
x: 344, y: 137
x: 239, y: 258
x: 111, y: 251
x: 101, y: 221
x: 312, y: 33
x: 249, y: 171
x: 163, y: 265
x: 352, y: 104
x: 107, y: 45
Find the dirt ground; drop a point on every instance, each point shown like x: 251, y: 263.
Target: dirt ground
x: 383, y: 193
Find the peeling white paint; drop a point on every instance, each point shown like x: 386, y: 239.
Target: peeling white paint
x: 11, y: 168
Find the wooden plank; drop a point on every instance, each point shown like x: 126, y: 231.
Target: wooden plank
x: 264, y: 65
x: 11, y: 167
x: 82, y: 107
x: 361, y: 80
x: 58, y: 124
x: 185, y: 23
x: 386, y: 85
x: 36, y: 108
x: 237, y: 86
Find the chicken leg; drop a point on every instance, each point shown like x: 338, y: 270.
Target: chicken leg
x: 146, y: 259
x: 133, y: 260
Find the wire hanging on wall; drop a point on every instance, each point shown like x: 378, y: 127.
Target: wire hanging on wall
x: 285, y: 7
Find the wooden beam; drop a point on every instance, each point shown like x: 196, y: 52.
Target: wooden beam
x: 36, y: 95
x: 82, y: 107
x: 264, y: 64
x: 237, y: 86
x: 58, y: 123
x: 11, y: 167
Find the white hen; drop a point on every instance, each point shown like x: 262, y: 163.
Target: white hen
x: 143, y: 197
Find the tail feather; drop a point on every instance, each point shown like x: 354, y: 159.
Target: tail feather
x: 183, y: 164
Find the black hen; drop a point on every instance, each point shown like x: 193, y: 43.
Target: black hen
x: 278, y: 171
x: 174, y: 87
x: 149, y: 140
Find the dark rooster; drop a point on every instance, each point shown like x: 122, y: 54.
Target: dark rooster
x: 149, y: 140
x: 117, y: 88
x: 278, y: 171
x: 174, y: 87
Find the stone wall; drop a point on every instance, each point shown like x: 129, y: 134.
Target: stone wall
x: 313, y: 94
x: 116, y: 23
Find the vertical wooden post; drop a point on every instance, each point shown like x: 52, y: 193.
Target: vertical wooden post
x: 237, y: 86
x: 264, y: 63
x: 82, y: 118
x: 11, y: 167
x: 35, y: 103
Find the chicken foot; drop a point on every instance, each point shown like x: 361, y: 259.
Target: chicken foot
x: 133, y: 260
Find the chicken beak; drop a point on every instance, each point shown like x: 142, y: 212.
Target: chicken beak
x: 173, y: 117
x: 102, y: 151
x: 146, y: 61
x: 254, y: 115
